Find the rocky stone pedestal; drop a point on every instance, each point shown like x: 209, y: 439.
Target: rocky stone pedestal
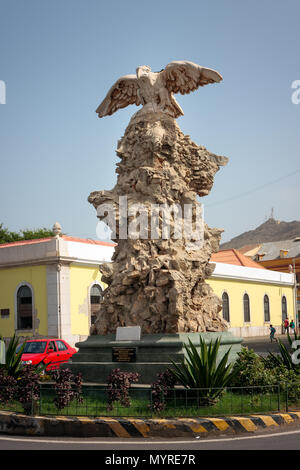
x: 99, y: 355
x: 157, y: 277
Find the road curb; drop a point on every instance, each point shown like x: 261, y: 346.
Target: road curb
x: 18, y: 424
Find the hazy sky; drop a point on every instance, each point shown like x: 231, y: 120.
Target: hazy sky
x: 58, y: 58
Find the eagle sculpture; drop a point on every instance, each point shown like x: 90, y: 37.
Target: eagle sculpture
x: 154, y: 90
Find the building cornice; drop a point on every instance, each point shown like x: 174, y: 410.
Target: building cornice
x: 50, y: 261
x: 248, y: 274
x: 250, y: 279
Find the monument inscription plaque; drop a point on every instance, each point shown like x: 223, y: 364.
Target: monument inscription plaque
x: 123, y: 354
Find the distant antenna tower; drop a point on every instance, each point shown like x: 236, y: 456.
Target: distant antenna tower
x: 272, y: 213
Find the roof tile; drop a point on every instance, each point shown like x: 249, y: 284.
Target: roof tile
x: 235, y: 257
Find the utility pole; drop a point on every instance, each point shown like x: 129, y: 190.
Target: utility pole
x: 295, y: 298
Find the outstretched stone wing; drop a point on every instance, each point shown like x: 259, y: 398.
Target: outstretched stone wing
x: 123, y: 93
x: 184, y: 77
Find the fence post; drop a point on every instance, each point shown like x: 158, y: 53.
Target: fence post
x: 2, y: 352
x: 151, y: 405
x: 31, y: 411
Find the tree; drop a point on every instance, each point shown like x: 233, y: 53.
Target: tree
x: 6, y: 236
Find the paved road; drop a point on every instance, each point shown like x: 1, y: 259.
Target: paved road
x: 262, y: 345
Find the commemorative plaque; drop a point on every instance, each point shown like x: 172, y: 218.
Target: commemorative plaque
x: 123, y: 354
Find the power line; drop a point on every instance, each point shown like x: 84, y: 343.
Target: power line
x: 251, y: 191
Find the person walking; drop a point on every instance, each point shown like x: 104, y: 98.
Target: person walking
x: 292, y: 326
x: 272, y: 333
x: 286, y: 325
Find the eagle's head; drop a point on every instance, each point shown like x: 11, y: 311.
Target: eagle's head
x: 143, y: 71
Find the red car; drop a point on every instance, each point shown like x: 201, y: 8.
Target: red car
x: 50, y: 352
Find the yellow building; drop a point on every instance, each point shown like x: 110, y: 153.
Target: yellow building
x: 51, y: 287
x: 253, y: 297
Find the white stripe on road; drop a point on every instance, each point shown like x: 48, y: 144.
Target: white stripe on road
x: 143, y: 442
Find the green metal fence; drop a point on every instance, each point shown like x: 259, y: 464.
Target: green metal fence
x: 178, y: 402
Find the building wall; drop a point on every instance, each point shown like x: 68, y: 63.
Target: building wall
x: 256, y: 292
x: 10, y: 280
x: 81, y: 280
x: 60, y: 270
x: 73, y: 297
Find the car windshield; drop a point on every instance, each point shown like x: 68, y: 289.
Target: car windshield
x: 34, y: 347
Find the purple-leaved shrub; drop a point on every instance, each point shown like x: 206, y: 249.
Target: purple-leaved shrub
x: 118, y: 384
x: 68, y: 387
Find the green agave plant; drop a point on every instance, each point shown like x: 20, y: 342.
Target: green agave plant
x: 12, y: 364
x: 201, y: 370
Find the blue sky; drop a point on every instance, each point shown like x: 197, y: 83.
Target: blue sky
x: 58, y: 59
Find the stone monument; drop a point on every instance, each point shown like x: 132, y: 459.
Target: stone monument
x: 156, y: 279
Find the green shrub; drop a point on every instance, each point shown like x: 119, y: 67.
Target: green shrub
x: 266, y: 374
x: 252, y: 372
x: 284, y: 376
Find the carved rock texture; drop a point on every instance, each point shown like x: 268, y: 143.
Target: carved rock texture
x: 159, y: 284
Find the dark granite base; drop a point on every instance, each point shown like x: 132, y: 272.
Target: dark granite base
x: 152, y: 354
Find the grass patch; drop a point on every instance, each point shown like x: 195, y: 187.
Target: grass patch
x: 179, y: 404
x: 184, y: 405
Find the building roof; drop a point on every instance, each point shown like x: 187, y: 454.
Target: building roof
x: 271, y: 250
x: 250, y: 250
x: 56, y: 249
x: 64, y: 237
x: 87, y: 240
x: 235, y: 257
x: 246, y: 248
x: 25, y: 242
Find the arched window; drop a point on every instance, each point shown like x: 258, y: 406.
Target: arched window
x: 266, y: 308
x: 225, y: 302
x: 24, y: 308
x: 246, y: 302
x: 284, y: 308
x: 95, y: 299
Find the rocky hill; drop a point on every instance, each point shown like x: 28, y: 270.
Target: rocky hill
x: 270, y: 231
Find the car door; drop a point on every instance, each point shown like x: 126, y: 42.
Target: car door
x: 52, y: 358
x: 63, y: 351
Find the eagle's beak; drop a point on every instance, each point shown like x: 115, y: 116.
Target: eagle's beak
x: 139, y: 72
